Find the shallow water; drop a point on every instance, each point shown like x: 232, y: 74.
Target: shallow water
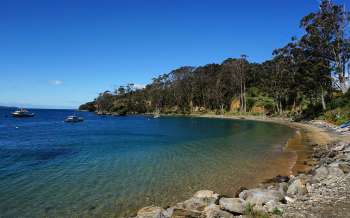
x: 111, y: 166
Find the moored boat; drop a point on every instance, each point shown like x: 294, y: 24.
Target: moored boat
x: 73, y: 119
x: 21, y: 112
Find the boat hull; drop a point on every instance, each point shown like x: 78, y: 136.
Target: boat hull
x: 76, y: 120
x: 22, y: 115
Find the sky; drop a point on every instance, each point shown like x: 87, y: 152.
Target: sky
x: 62, y: 53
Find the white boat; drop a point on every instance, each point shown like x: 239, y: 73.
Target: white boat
x: 73, y: 119
x: 21, y: 112
x: 156, y: 114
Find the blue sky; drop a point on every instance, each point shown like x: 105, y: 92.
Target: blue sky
x: 59, y: 54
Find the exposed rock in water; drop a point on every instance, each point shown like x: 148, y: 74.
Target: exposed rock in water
x: 152, y: 212
x: 206, y: 194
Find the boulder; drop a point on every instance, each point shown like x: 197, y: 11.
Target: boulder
x: 233, y: 205
x: 206, y: 194
x: 297, y: 187
x: 183, y: 213
x: 152, y: 212
x: 199, y: 201
x: 320, y: 174
x: 214, y: 211
x: 196, y: 204
x: 261, y: 196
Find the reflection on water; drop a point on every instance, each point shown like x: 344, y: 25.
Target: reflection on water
x: 111, y: 166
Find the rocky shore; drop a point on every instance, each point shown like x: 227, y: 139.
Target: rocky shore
x: 323, y: 191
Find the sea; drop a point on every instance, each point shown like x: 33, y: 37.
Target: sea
x: 111, y: 166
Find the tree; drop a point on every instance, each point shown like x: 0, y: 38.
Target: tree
x: 325, y: 38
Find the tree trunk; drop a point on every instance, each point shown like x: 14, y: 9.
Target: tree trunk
x: 343, y: 84
x: 222, y: 108
x: 322, y: 99
x: 244, y: 99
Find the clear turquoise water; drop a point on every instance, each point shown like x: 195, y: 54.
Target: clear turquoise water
x: 112, y: 166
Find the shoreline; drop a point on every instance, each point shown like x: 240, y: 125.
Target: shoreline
x: 281, y: 196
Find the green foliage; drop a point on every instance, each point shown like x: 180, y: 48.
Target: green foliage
x: 341, y: 101
x: 312, y: 111
x: 337, y: 116
x: 89, y: 106
x: 265, y: 102
x: 338, y: 109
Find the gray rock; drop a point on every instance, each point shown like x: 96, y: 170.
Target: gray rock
x: 152, y: 212
x: 206, y: 194
x: 261, y: 196
x: 183, y: 213
x: 320, y: 174
x: 196, y: 204
x: 214, y: 211
x: 199, y: 201
x: 297, y: 188
x: 234, y: 205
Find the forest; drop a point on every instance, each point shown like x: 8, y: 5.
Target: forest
x: 307, y: 78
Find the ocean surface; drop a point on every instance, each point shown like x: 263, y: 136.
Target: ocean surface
x: 111, y: 166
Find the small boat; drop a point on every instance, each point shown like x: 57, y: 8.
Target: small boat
x: 73, y: 119
x: 21, y: 112
x: 156, y: 114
